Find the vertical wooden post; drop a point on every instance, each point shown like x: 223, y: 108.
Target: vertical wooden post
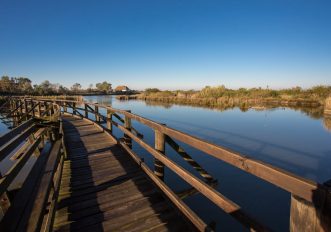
x: 65, y: 107
x: 26, y: 108
x: 39, y: 109
x: 74, y: 108
x: 21, y: 107
x: 127, y: 125
x: 109, y: 121
x: 33, y: 110
x: 52, y: 116
x: 311, y: 217
x: 4, y: 203
x: 160, y: 146
x: 96, y: 113
x: 16, y: 114
x: 86, y: 112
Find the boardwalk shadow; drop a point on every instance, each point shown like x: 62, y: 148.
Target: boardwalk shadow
x: 77, y: 187
x: 105, y: 190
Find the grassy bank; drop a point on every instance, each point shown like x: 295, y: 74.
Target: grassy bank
x: 244, y: 98
x: 61, y: 97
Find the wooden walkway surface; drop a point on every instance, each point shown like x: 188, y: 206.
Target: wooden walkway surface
x: 103, y: 189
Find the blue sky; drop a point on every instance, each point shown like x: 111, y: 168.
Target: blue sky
x: 168, y: 44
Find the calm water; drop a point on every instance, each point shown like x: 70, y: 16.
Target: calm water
x: 286, y: 138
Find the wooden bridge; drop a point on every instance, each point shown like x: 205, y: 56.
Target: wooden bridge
x: 83, y: 178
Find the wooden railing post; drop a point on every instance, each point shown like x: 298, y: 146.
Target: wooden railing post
x: 86, y: 111
x: 21, y: 107
x: 109, y: 121
x: 64, y: 107
x: 127, y: 125
x: 4, y: 203
x: 33, y: 109
x: 160, y: 146
x: 74, y: 108
x: 311, y: 216
x: 26, y: 108
x: 16, y: 114
x: 96, y: 113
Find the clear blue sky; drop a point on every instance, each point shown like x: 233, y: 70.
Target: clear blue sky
x: 168, y: 44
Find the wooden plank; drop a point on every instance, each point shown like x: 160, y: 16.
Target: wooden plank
x: 14, y: 110
x: 7, y: 179
x: 110, y: 202
x: 310, y: 217
x: 35, y: 219
x: 194, y: 218
x: 105, y: 187
x: 220, y: 200
x: 159, y: 146
x: 25, y: 146
x: 14, y: 132
x: 12, y: 144
x: 22, y: 203
x: 101, y: 182
x: 49, y: 219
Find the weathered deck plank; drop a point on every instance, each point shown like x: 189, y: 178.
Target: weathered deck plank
x: 103, y: 189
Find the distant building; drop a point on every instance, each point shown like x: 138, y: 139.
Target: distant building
x: 122, y: 88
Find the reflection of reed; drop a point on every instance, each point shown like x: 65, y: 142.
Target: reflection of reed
x: 313, y: 112
x: 162, y: 104
x: 327, y: 123
x: 327, y: 110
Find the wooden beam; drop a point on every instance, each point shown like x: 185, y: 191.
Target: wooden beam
x: 22, y: 204
x: 220, y: 200
x: 182, y: 207
x: 7, y: 179
x: 12, y: 144
x: 288, y: 181
x: 36, y: 216
x: 159, y: 146
x: 189, y: 160
x: 14, y: 132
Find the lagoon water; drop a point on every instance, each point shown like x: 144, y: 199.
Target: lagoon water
x: 286, y: 138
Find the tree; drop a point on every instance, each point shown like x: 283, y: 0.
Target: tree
x: 104, y: 87
x: 43, y: 89
x: 7, y: 84
x: 24, y: 85
x: 76, y: 87
x: 90, y: 88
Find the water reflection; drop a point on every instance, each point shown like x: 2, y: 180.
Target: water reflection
x: 313, y: 112
x: 327, y: 123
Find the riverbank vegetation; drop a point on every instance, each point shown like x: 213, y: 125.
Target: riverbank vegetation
x: 220, y: 95
x: 23, y: 86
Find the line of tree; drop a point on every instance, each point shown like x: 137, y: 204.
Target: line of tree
x: 23, y: 85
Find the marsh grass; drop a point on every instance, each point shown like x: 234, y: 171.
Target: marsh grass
x: 220, y: 96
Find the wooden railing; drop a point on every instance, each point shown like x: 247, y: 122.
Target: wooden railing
x: 308, y: 197
x: 32, y: 206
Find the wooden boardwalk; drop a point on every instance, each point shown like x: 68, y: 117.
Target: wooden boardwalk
x: 104, y: 189
x: 101, y: 184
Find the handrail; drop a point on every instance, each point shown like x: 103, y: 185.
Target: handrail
x: 290, y: 182
x: 298, y: 186
x: 33, y: 205
x: 6, y: 180
x: 12, y: 133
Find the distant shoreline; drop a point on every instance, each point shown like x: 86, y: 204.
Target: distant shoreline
x: 227, y: 101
